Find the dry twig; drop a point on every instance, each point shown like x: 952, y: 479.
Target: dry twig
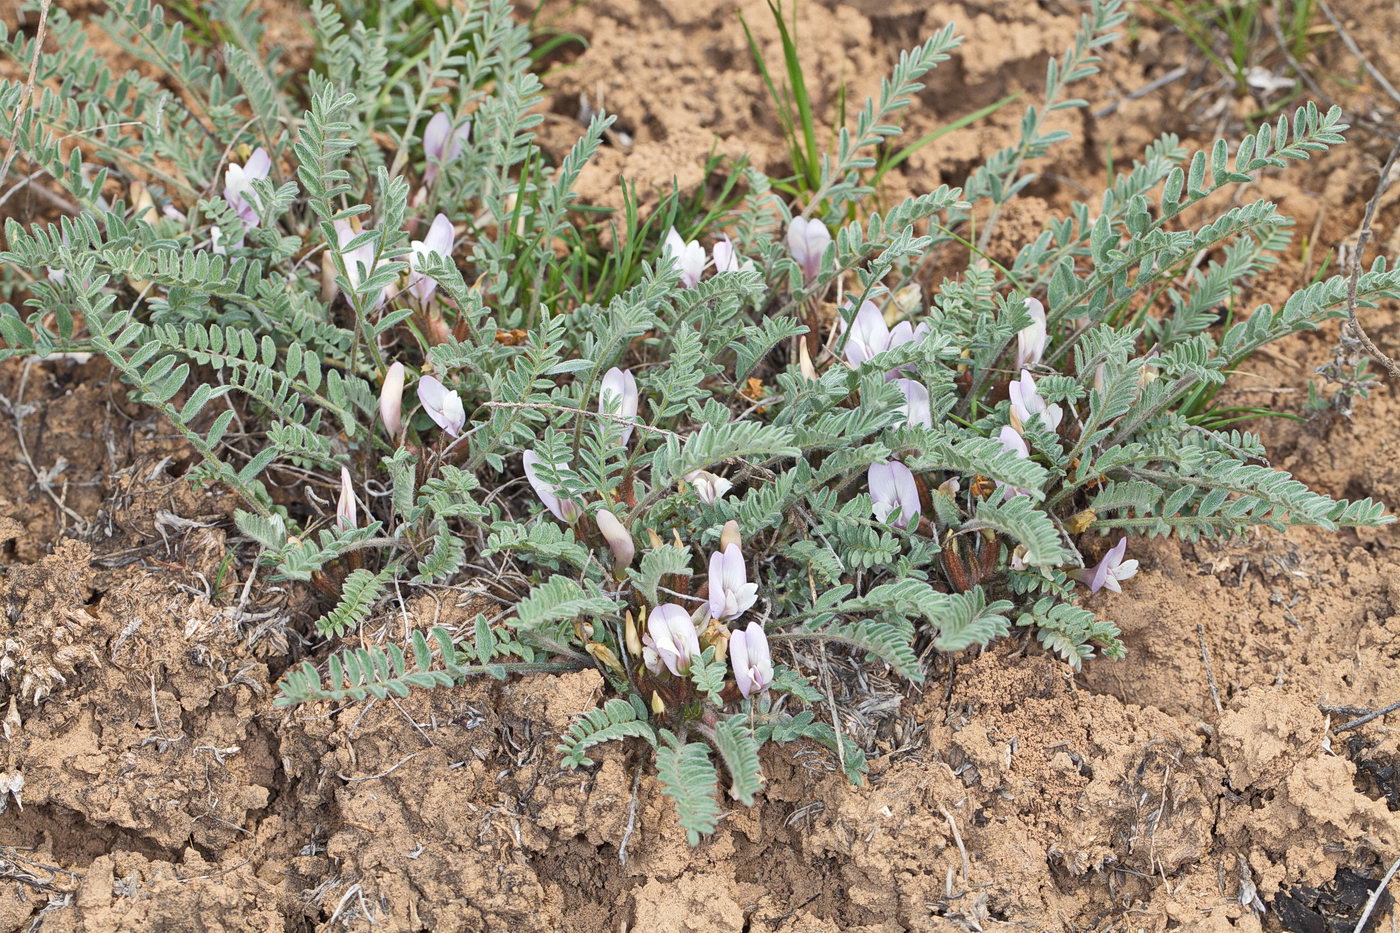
x: 28, y: 84
x: 631, y: 817
x: 1375, y: 897
x: 957, y: 839
x: 1322, y: 96
x: 1362, y: 720
x: 1355, y: 50
x: 1353, y: 328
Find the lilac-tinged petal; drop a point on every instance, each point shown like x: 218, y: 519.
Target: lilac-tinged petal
x: 870, y: 327
x: 869, y: 335
x: 734, y: 570
x: 692, y: 264
x: 751, y: 660
x: 344, y: 233
x: 916, y: 408
x: 1031, y: 339
x: 709, y: 487
x: 440, y: 236
x: 673, y: 245
x: 807, y: 241
x: 259, y: 164
x: 731, y: 594
x: 391, y: 400
x: 435, y: 136
x: 726, y: 259
x: 739, y: 661
x: 1022, y: 399
x: 347, y: 512
x: 443, y: 405
x: 673, y: 637
x: 760, y: 655
x: 546, y: 492
x: 1111, y: 570
x: 441, y: 144
x: 459, y: 139
x: 438, y: 241
x: 894, y: 493
x: 238, y: 184
x: 716, y: 585
x: 619, y: 539
x: 884, y: 493
x: 1012, y: 440
x: 359, y: 262
x: 618, y: 395
x: 566, y: 510
x: 900, y: 334
x: 688, y: 258
x: 1027, y: 403
x: 907, y: 491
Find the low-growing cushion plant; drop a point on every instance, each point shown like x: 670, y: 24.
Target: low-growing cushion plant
x: 683, y: 460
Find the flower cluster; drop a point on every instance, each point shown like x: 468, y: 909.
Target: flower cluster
x: 896, y: 492
x: 808, y: 241
x: 673, y: 636
x: 688, y: 257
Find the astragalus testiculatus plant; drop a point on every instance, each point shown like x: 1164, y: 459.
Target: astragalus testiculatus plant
x: 684, y: 460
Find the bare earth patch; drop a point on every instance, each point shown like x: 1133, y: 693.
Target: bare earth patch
x: 1196, y: 785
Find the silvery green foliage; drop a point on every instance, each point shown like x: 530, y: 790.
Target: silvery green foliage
x: 239, y: 340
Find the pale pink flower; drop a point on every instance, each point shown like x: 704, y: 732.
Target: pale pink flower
x: 566, y: 510
x: 442, y: 144
x: 671, y: 639
x: 1012, y: 440
x: 618, y: 396
x: 751, y: 660
x: 708, y: 486
x: 438, y: 241
x: 1111, y: 571
x: 1030, y: 340
x: 688, y: 257
x: 870, y: 335
x: 238, y: 184
x: 731, y: 593
x: 619, y: 539
x: 359, y: 262
x: 1027, y: 403
x: 443, y: 405
x: 916, y: 408
x: 893, y: 491
x: 391, y: 400
x: 807, y: 240
x: 347, y: 513
x: 726, y: 259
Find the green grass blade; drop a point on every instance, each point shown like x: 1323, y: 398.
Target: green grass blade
x: 899, y: 157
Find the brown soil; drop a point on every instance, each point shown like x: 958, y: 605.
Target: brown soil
x: 1196, y: 785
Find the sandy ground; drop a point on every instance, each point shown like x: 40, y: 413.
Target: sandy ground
x: 1201, y: 784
